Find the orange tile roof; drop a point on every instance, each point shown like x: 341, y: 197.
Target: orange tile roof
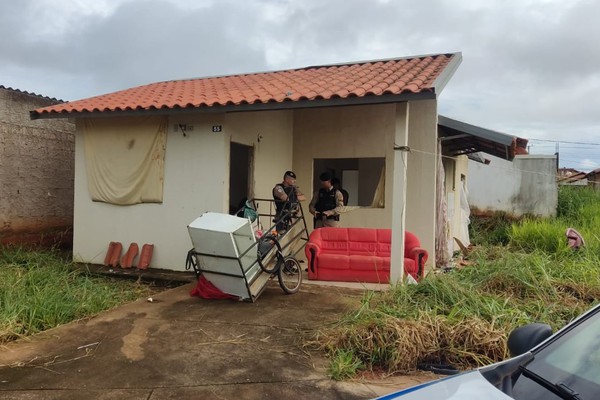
x: 353, y: 81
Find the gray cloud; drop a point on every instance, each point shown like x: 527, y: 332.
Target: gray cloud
x: 529, y: 68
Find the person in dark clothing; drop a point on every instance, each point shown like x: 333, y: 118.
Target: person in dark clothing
x: 286, y: 195
x: 336, y: 184
x: 327, y: 203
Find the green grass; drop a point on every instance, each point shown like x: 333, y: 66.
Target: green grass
x: 40, y: 290
x: 491, y: 230
x: 344, y: 364
x: 578, y: 208
x: 520, y: 272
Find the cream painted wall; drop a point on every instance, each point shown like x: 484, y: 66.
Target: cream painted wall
x: 346, y: 132
x: 421, y: 174
x: 270, y: 133
x: 368, y: 131
x: 196, y: 181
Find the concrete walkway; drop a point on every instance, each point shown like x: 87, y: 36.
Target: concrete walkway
x: 183, y: 347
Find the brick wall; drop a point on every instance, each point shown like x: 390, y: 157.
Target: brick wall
x: 36, y: 172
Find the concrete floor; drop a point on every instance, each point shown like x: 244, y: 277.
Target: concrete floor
x: 182, y: 347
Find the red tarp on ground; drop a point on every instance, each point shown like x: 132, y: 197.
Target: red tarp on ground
x: 206, y: 290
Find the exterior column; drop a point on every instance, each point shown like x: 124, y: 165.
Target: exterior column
x: 399, y: 192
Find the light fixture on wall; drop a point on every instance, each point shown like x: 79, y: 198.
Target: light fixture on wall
x: 259, y: 138
x: 183, y: 129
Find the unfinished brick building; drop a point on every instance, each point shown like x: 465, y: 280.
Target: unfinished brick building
x: 36, y: 172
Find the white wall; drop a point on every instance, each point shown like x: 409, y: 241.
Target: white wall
x: 525, y: 186
x: 196, y: 180
x: 197, y: 173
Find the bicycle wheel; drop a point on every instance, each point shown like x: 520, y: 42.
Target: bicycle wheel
x: 263, y: 248
x: 290, y: 275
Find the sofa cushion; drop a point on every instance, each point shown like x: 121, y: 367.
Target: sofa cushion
x: 369, y: 263
x: 384, y: 236
x: 384, y: 242
x: 362, y: 241
x: 334, y: 240
x: 333, y: 261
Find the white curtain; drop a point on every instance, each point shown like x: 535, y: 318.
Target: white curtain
x: 124, y: 159
x: 442, y: 227
x: 465, y: 215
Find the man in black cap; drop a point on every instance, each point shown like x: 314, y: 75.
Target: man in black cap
x: 286, y: 196
x: 327, y: 203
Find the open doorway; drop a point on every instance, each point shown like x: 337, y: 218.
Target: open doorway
x: 240, y: 175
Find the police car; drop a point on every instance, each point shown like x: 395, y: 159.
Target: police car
x: 565, y: 365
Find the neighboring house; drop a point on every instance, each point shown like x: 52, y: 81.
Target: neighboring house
x: 466, y: 147
x: 510, y: 180
x: 593, y: 179
x: 563, y: 173
x: 572, y: 177
x: 151, y: 159
x: 36, y: 172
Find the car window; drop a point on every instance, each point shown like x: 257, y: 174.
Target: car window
x: 579, y: 355
x: 573, y: 359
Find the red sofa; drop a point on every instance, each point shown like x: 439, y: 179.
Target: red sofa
x: 359, y: 255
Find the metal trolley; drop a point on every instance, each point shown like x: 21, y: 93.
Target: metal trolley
x: 238, y: 257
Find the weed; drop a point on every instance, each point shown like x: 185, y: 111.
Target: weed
x: 41, y: 289
x: 491, y: 230
x: 524, y: 272
x: 344, y: 364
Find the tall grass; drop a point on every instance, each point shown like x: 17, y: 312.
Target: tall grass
x: 491, y: 230
x: 463, y: 318
x: 41, y: 290
x: 578, y: 207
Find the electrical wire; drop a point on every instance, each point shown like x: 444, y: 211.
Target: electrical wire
x: 565, y: 141
x: 497, y: 167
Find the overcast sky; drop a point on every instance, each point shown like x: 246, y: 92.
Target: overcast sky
x: 530, y: 68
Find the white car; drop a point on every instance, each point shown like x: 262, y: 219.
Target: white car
x: 565, y: 365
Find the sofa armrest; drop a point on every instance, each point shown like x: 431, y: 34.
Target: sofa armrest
x: 420, y: 256
x: 311, y: 250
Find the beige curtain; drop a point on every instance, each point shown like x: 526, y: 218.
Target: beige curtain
x: 379, y: 196
x: 124, y: 159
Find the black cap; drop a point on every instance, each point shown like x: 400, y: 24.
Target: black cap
x: 291, y: 174
x: 325, y: 176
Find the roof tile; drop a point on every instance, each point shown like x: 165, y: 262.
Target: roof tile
x: 396, y: 76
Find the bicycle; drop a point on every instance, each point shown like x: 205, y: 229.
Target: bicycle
x: 287, y: 268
